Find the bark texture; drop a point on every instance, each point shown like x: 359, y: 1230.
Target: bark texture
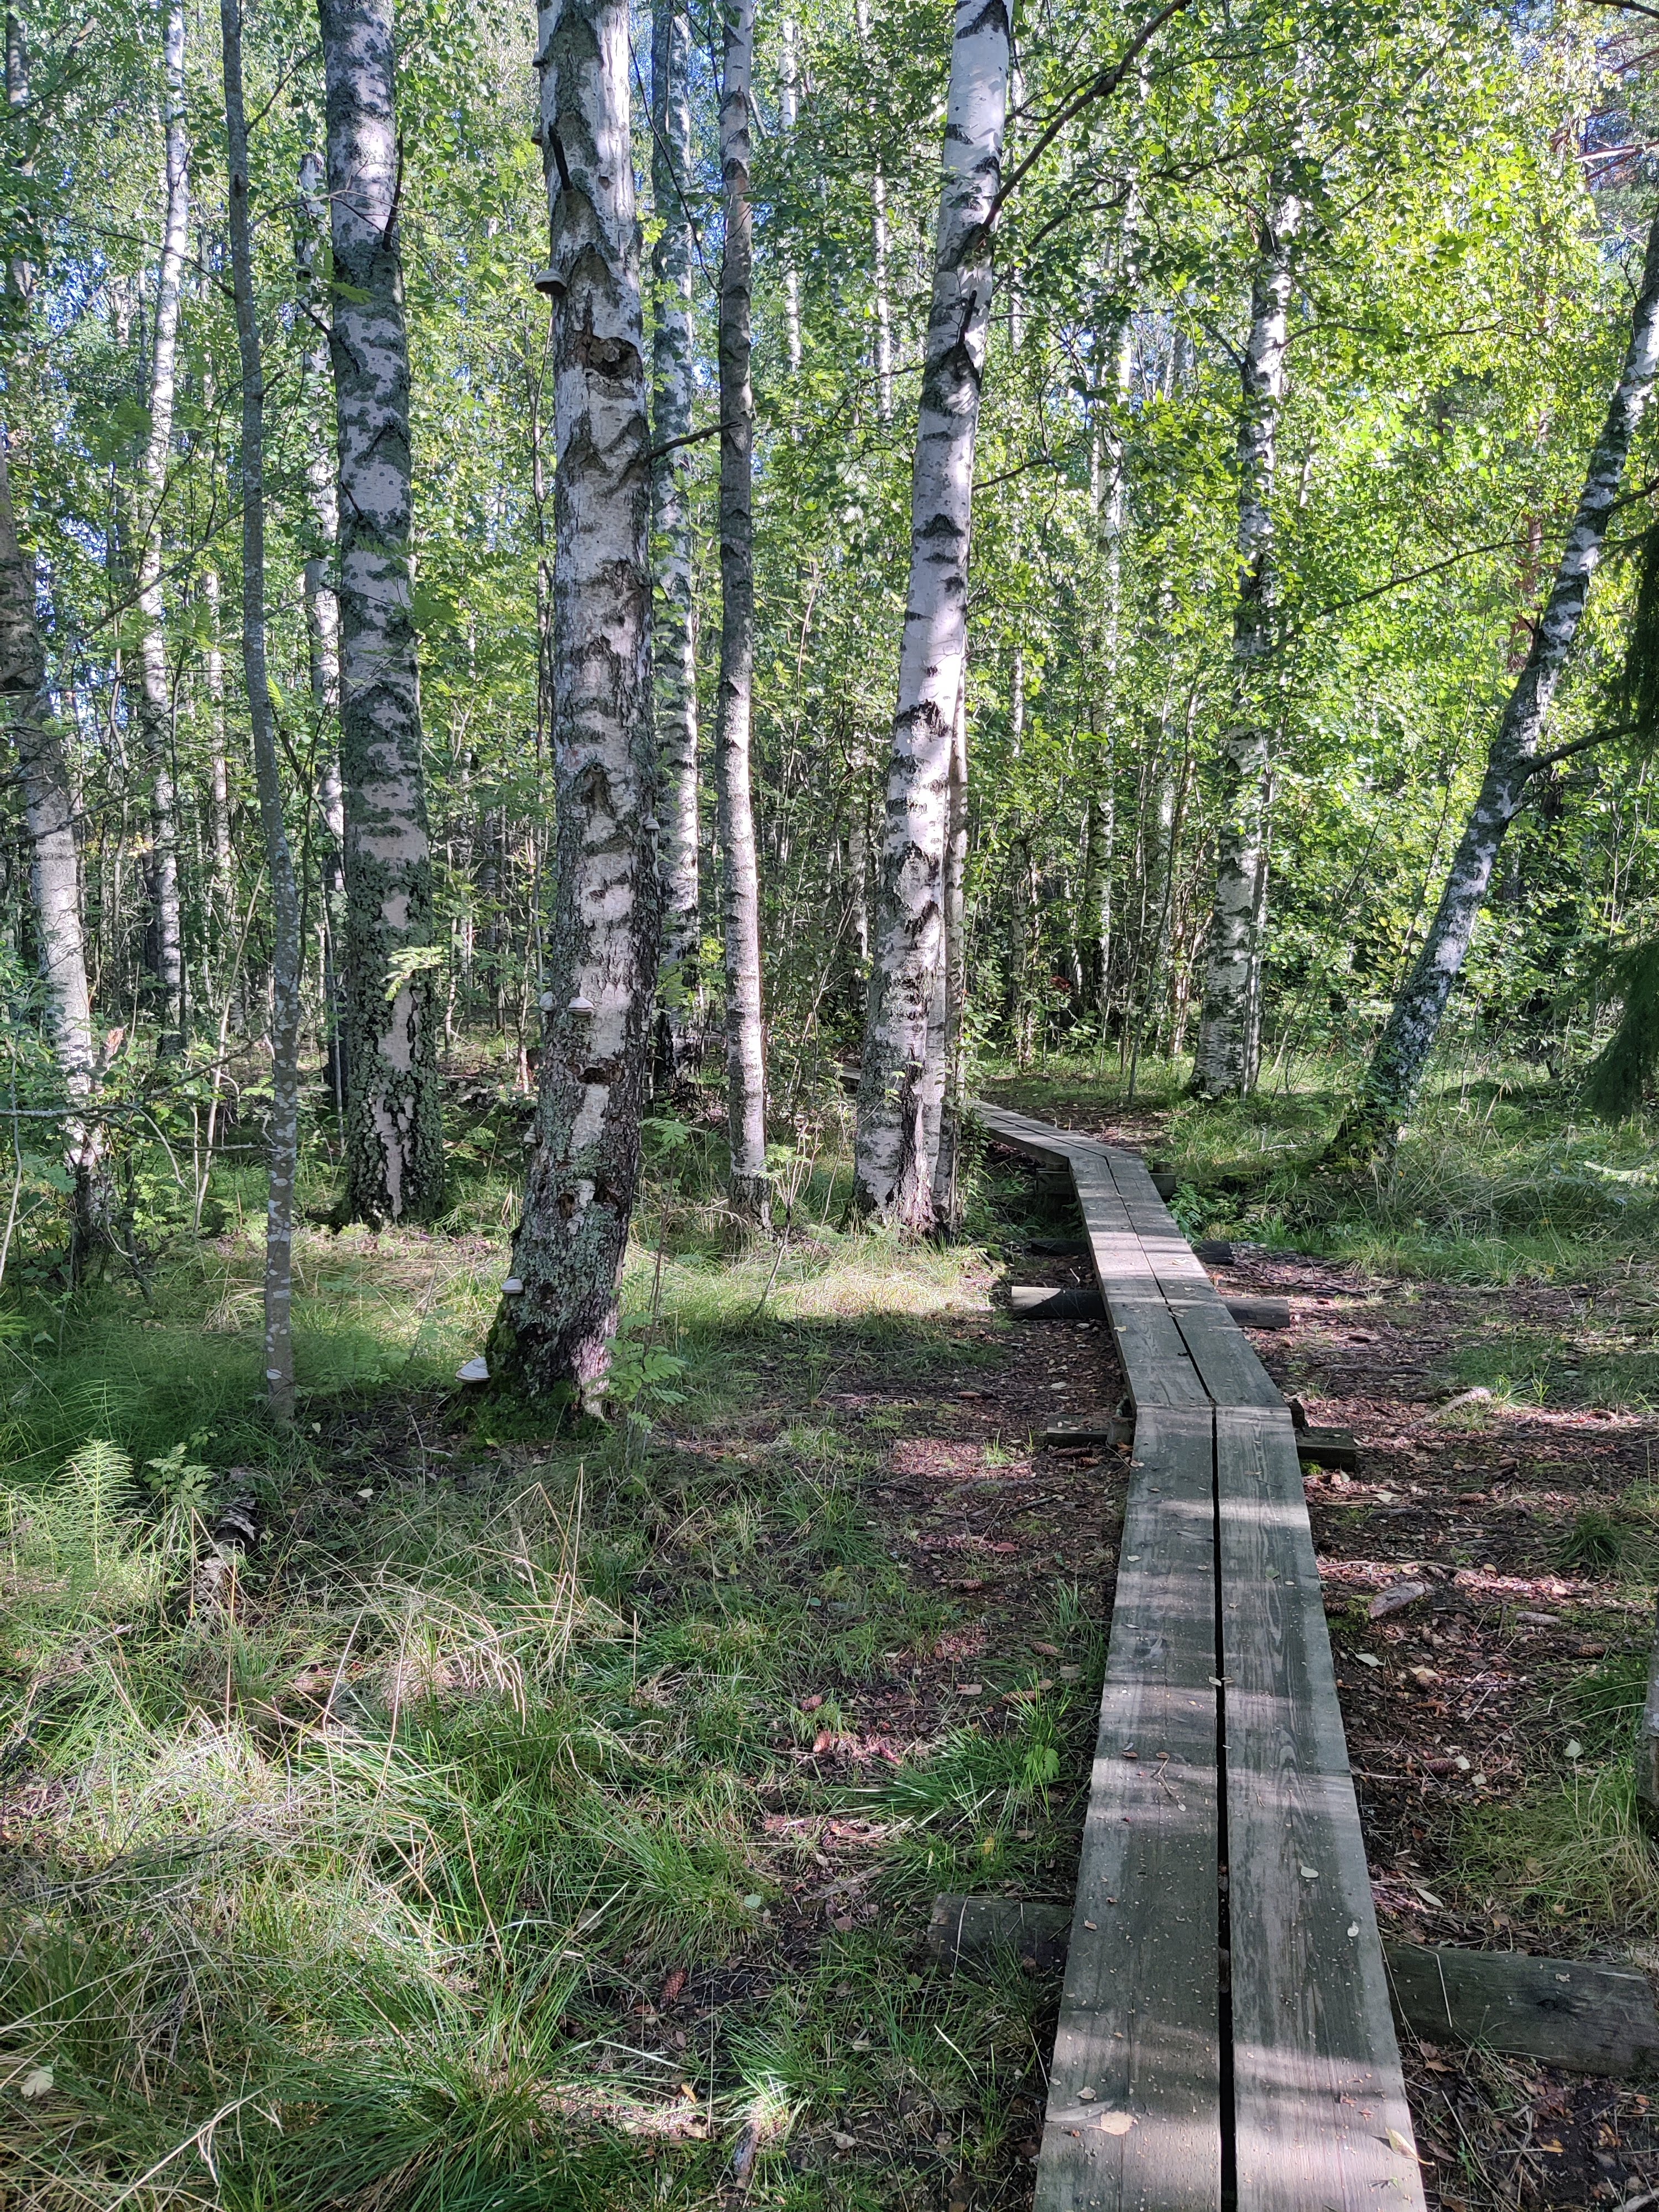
x: 284, y: 1130
x: 1224, y: 1065
x: 322, y: 603
x: 674, y: 642
x: 1394, y: 1078
x: 394, y: 1130
x: 166, y: 945
x: 893, y: 1171
x: 746, y: 1041
x: 554, y: 1333
x: 54, y: 878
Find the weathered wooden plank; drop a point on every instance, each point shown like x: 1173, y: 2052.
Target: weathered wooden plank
x: 1320, y: 2113
x: 1090, y: 1429
x: 979, y: 1927
x: 1134, y: 2102
x: 1152, y: 1352
x: 1585, y: 2017
x: 1259, y: 1313
x: 1056, y: 1302
x: 1327, y: 1447
x: 1590, y: 2019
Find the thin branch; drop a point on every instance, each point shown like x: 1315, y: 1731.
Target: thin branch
x: 1098, y: 88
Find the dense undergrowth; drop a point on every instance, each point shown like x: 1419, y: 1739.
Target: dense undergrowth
x: 368, y: 1867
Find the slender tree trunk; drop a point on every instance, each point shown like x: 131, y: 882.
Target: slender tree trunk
x: 1394, y: 1078
x: 893, y: 1174
x: 788, y: 116
x: 878, y: 243
x: 1223, y: 1065
x: 947, y: 1190
x: 554, y: 1333
x: 284, y: 894
x: 322, y: 605
x: 674, y: 642
x: 54, y: 880
x: 746, y: 1043
x: 166, y: 936
x: 394, y: 1128
x: 218, y: 763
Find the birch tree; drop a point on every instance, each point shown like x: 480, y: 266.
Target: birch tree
x: 894, y: 1171
x: 883, y: 363
x: 394, y: 1130
x: 283, y: 1137
x: 745, y: 1046
x: 54, y: 879
x: 322, y: 606
x: 1395, y: 1076
x: 556, y: 1323
x: 1230, y: 1027
x: 167, y: 948
x: 674, y: 642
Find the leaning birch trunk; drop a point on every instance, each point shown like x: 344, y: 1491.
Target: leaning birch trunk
x: 1394, y: 1078
x: 1223, y: 1065
x: 394, y: 1130
x: 322, y: 606
x: 284, y: 1141
x: 554, y: 1329
x: 674, y: 638
x: 893, y: 1173
x: 54, y: 880
x: 218, y: 762
x: 745, y: 1040
x: 166, y: 936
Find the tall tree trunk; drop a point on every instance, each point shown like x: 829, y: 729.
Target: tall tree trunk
x: 554, y: 1329
x: 218, y: 763
x: 284, y: 1140
x: 19, y: 270
x: 745, y: 1040
x: 947, y: 1190
x: 1223, y: 1065
x: 893, y: 1174
x: 166, y: 936
x: 54, y: 879
x: 322, y: 605
x: 394, y: 1128
x: 879, y: 244
x: 674, y: 642
x: 1394, y: 1078
x: 788, y: 116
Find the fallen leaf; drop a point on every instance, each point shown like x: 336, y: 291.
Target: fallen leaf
x: 37, y: 2082
x: 1116, y: 2124
x: 1397, y: 2141
x: 1368, y: 1658
x: 810, y: 1705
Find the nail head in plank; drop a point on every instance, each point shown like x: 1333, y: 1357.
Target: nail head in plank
x: 1319, y: 2108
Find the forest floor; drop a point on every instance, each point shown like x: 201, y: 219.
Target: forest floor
x: 527, y: 1818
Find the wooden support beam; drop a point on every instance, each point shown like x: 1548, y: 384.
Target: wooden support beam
x: 1586, y: 2017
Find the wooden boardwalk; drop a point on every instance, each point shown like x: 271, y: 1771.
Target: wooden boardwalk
x: 1226, y: 2037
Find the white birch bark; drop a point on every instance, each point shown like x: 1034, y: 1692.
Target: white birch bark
x: 878, y: 245
x: 166, y: 936
x: 54, y: 879
x: 394, y: 1132
x: 674, y: 639
x: 284, y: 1130
x: 322, y: 605
x: 1223, y: 1064
x: 218, y: 763
x: 947, y: 1191
x: 1394, y: 1078
x: 788, y: 116
x: 746, y: 1041
x: 554, y: 1334
x: 893, y: 1174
